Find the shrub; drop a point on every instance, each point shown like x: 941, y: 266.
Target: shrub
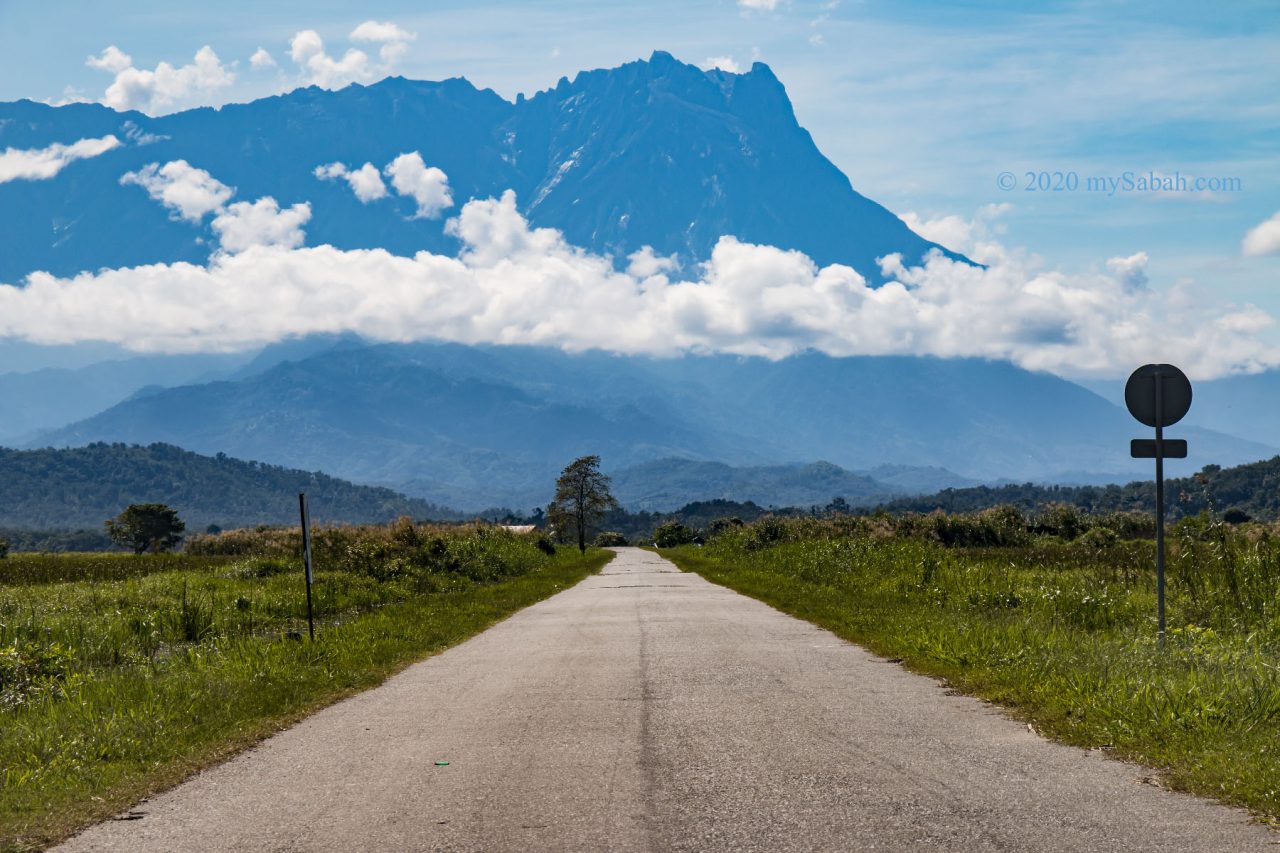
x: 610, y: 539
x: 1062, y: 520
x: 723, y: 525
x: 671, y: 534
x: 4, y: 548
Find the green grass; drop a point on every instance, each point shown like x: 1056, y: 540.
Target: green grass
x: 111, y: 690
x: 1063, y: 635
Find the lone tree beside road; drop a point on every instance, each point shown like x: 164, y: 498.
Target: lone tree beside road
x: 582, y: 498
x: 144, y: 527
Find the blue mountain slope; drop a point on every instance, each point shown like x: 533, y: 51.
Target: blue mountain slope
x: 653, y: 153
x: 478, y: 426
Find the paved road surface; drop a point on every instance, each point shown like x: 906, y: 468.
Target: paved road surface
x: 647, y: 709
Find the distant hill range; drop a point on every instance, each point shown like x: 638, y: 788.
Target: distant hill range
x: 1251, y: 490
x: 82, y: 487
x: 475, y: 427
x: 666, y: 484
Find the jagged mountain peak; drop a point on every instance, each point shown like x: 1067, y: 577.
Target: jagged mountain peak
x: 652, y: 152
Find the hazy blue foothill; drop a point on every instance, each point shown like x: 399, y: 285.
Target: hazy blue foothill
x: 471, y: 427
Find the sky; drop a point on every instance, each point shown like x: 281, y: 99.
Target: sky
x: 1022, y: 123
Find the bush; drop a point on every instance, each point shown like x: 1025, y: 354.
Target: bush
x: 610, y: 539
x: 723, y: 525
x: 671, y: 534
x: 4, y: 548
x: 1062, y: 520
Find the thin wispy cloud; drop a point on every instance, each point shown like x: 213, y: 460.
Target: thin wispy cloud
x: 39, y: 164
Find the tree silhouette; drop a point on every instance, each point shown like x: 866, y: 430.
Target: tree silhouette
x: 144, y: 527
x: 582, y: 498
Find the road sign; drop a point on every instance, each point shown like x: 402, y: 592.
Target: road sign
x: 1158, y: 395
x: 1158, y: 392
x: 1145, y: 448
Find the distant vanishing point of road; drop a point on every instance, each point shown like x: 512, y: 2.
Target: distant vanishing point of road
x: 647, y: 709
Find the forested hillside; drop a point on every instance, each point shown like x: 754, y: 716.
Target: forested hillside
x: 79, y: 488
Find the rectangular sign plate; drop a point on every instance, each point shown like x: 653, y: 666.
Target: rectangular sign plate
x: 1145, y: 448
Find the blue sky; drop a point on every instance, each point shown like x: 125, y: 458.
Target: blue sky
x: 923, y: 105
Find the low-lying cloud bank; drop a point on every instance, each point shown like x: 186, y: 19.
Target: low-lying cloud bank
x: 513, y: 284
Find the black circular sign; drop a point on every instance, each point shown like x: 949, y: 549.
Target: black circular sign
x: 1175, y: 394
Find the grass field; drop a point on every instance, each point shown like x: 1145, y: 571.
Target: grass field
x: 1061, y: 633
x: 121, y: 675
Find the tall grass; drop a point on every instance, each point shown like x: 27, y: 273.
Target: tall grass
x: 122, y: 683
x: 1062, y: 632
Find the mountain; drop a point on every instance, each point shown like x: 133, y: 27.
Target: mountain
x: 667, y: 484
x: 480, y: 426
x: 654, y: 152
x: 82, y: 487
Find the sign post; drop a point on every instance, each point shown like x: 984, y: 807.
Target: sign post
x: 1158, y: 395
x: 306, y: 559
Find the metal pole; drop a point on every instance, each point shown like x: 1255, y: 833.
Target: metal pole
x: 1159, y: 509
x: 306, y: 560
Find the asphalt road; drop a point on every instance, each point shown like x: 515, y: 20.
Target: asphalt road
x: 647, y: 709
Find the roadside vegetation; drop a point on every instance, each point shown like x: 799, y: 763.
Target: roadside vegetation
x: 121, y: 674
x: 1053, y: 616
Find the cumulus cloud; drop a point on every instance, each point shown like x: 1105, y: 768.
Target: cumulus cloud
x: 645, y: 263
x: 188, y: 192
x: 1130, y: 271
x: 365, y: 182
x: 724, y: 63
x: 38, y: 164
x: 971, y: 237
x: 262, y: 59
x: 513, y: 284
x: 759, y: 5
x: 192, y: 194
x: 394, y: 40
x: 1263, y: 239
x: 307, y: 51
x: 153, y: 91
x: 243, y: 225
x: 426, y: 185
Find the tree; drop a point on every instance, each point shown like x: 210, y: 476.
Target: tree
x: 143, y: 527
x: 582, y: 498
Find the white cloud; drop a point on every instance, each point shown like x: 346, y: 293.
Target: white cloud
x: 967, y: 236
x: 155, y: 90
x: 320, y: 69
x: 113, y: 60
x: 515, y: 284
x: 428, y: 186
x: 38, y: 164
x: 262, y: 59
x: 1263, y: 239
x: 243, y: 225
x: 759, y: 5
x: 365, y: 182
x: 187, y: 191
x: 724, y: 63
x: 307, y: 51
x: 645, y: 263
x: 1130, y: 271
x: 394, y: 39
